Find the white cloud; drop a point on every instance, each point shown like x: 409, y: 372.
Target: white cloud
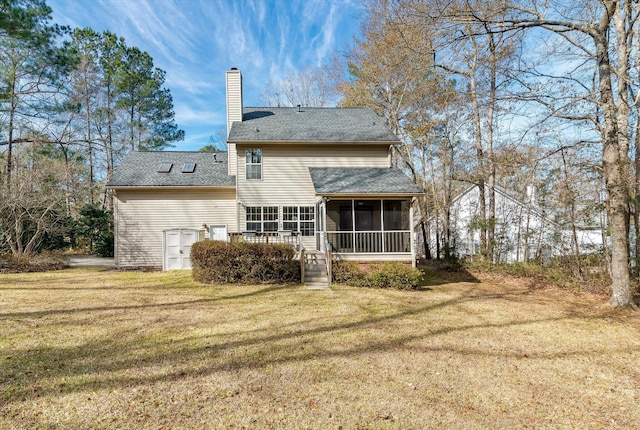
x: 195, y: 41
x: 186, y: 115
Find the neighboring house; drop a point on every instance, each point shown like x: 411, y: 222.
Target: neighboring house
x: 317, y: 177
x: 523, y: 230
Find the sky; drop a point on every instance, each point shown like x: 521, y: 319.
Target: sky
x: 195, y: 41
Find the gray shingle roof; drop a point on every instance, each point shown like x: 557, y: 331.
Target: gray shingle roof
x: 311, y: 125
x: 361, y: 180
x: 140, y: 169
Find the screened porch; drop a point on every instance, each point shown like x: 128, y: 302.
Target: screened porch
x: 369, y: 226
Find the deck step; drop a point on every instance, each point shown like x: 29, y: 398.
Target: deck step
x: 315, y: 271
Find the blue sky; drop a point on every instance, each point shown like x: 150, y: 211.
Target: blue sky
x: 195, y: 41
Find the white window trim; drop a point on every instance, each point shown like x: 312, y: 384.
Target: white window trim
x: 248, y: 163
x: 298, y: 221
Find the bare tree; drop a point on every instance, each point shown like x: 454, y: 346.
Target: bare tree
x: 309, y: 87
x: 595, y: 29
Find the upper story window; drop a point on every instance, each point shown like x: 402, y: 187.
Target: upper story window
x: 254, y: 163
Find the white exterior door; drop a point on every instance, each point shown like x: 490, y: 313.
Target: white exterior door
x: 218, y: 232
x: 177, y: 248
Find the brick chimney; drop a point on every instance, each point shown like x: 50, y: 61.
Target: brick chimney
x: 234, y: 97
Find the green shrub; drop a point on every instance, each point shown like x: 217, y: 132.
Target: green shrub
x: 397, y: 276
x: 346, y: 272
x: 247, y: 263
x: 43, y: 262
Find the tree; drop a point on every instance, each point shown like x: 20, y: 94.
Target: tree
x: 310, y: 87
x: 149, y: 106
x: 31, y: 67
x: 217, y: 142
x: 34, y: 205
x: 601, y: 32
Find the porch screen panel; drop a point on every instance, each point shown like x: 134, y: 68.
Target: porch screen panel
x: 368, y: 226
x: 397, y: 237
x: 396, y: 215
x: 340, y: 225
x: 368, y: 216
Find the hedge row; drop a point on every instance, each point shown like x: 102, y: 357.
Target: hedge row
x: 44, y: 262
x: 397, y: 276
x: 216, y: 262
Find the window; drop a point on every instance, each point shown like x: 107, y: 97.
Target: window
x: 253, y: 159
x: 165, y: 167
x: 262, y: 218
x: 301, y: 219
x: 188, y: 167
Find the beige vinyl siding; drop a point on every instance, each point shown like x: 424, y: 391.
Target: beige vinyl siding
x: 285, y: 173
x: 285, y: 170
x: 142, y: 215
x: 233, y: 162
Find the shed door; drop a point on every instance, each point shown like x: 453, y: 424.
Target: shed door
x: 177, y: 248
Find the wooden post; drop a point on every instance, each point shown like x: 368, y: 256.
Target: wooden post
x: 302, y: 265
x: 329, y: 264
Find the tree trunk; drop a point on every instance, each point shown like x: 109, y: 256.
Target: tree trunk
x: 491, y: 222
x: 482, y: 207
x: 613, y: 168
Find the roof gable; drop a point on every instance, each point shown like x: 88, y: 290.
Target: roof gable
x: 311, y: 125
x: 141, y: 169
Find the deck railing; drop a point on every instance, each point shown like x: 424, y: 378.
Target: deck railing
x: 387, y: 242
x: 290, y: 238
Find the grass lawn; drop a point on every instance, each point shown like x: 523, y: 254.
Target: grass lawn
x: 84, y: 348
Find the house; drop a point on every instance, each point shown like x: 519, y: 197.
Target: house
x: 319, y: 178
x: 524, y: 230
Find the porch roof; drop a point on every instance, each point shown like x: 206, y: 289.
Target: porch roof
x: 362, y: 180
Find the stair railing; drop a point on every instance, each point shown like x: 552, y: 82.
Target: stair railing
x: 327, y: 255
x: 302, y: 258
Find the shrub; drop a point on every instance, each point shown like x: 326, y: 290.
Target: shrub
x: 397, y: 276
x: 346, y: 272
x: 222, y: 262
x: 10, y: 263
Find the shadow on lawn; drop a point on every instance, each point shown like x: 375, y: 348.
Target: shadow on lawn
x: 438, y: 272
x: 102, y: 363
x: 51, y: 312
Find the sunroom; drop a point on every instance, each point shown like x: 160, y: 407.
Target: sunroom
x: 365, y: 214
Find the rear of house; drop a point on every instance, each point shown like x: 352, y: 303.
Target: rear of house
x: 320, y: 178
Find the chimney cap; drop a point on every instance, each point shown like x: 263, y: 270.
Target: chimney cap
x: 234, y: 68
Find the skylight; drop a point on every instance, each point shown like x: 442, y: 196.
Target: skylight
x: 165, y: 167
x: 189, y: 167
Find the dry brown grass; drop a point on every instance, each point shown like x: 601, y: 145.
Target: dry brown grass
x: 83, y: 348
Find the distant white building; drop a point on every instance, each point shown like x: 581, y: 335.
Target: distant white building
x: 523, y: 230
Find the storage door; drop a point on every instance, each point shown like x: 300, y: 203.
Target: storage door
x: 172, y: 258
x: 218, y: 232
x: 177, y: 248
